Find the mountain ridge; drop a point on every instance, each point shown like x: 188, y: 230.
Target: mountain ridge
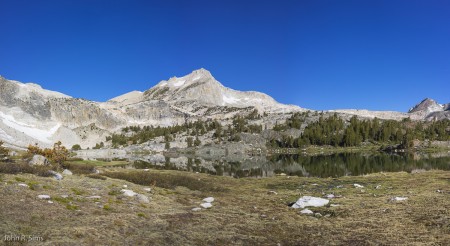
x: 31, y: 114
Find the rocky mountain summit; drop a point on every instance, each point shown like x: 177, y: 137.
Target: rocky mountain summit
x: 431, y: 110
x: 30, y: 114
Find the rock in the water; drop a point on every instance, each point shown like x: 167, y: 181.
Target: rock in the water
x: 128, y: 192
x: 142, y: 198
x: 306, y: 211
x: 45, y: 197
x: 358, y: 186
x: 206, y: 205
x: 310, y: 201
x: 196, y: 209
x: 67, y: 172
x: 208, y: 200
x: 38, y: 160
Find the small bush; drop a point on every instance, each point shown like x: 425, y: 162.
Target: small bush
x: 79, y: 168
x: 107, y: 207
x: 14, y: 168
x: 76, y: 147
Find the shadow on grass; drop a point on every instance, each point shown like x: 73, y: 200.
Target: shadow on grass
x: 168, y: 181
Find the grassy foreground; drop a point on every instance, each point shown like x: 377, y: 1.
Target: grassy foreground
x: 245, y: 211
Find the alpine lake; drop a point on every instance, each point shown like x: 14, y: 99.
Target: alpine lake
x: 321, y: 166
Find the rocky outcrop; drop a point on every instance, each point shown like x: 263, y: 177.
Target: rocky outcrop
x: 38, y: 160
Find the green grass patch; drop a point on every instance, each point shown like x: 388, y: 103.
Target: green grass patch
x: 72, y: 207
x: 78, y: 192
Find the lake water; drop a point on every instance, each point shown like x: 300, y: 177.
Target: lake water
x: 335, y: 165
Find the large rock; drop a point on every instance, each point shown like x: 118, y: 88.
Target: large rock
x: 142, y: 198
x: 310, y: 201
x: 39, y: 160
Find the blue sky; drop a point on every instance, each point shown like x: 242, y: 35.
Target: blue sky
x: 378, y: 55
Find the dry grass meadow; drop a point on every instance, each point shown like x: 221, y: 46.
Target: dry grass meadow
x: 246, y: 211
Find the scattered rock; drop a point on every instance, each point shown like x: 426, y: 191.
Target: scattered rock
x: 94, y: 197
x: 56, y: 175
x: 318, y: 215
x: 416, y: 171
x: 335, y: 205
x: 124, y: 186
x: 378, y: 187
x: 196, y: 209
x: 148, y: 189
x: 306, y: 211
x: 128, y: 192
x: 358, y: 186
x: 272, y: 192
x: 142, y: 198
x: 330, y: 196
x: 64, y: 196
x: 209, y: 199
x: 44, y: 197
x: 310, y: 201
x: 67, y: 172
x: 39, y: 160
x: 23, y: 185
x: 50, y: 202
x: 206, y: 205
x: 398, y: 199
x: 339, y: 186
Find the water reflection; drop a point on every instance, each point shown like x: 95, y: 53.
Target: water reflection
x: 335, y: 165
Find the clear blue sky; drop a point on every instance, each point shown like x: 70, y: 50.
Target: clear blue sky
x: 378, y: 55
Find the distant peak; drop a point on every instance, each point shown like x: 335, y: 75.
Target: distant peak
x: 203, y: 72
x: 428, y: 105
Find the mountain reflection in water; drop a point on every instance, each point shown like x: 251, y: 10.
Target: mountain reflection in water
x: 335, y: 165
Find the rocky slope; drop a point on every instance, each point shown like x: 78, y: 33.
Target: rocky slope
x: 30, y: 114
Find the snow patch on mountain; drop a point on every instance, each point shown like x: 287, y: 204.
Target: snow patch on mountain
x: 42, y: 135
x: 179, y: 83
x: 230, y: 99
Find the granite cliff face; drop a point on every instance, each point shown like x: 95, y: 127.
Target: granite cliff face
x: 30, y: 114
